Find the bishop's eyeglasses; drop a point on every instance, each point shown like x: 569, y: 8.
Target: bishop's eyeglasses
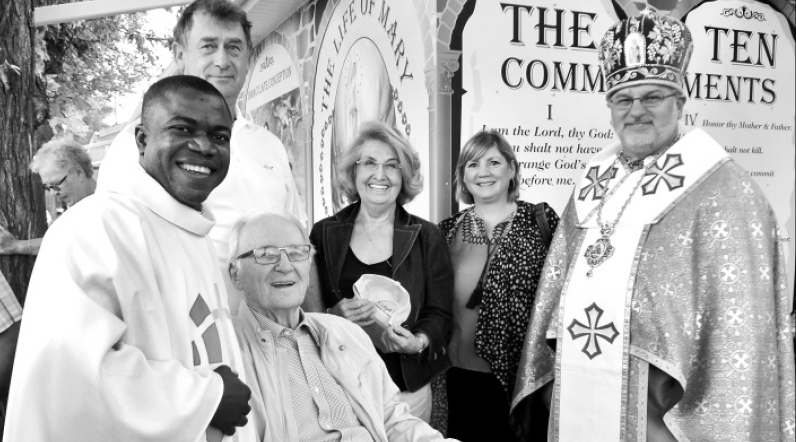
x: 648, y: 101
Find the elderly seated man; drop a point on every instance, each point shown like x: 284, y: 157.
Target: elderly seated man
x: 318, y: 376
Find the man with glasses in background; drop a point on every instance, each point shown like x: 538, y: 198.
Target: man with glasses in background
x: 65, y: 171
x: 314, y: 376
x: 663, y: 312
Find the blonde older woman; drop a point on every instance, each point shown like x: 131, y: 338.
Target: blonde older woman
x: 380, y: 173
x: 498, y: 246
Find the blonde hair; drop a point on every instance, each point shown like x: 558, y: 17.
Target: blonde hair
x: 412, y: 178
x: 474, y: 149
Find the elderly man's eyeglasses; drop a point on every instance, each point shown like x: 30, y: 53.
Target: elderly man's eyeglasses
x: 55, y: 187
x: 372, y: 165
x: 272, y: 255
x: 648, y: 101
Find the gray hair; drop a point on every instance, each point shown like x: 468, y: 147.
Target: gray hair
x: 243, y: 221
x: 412, y: 177
x: 67, y: 154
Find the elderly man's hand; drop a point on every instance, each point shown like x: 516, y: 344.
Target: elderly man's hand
x: 358, y: 311
x: 234, y: 406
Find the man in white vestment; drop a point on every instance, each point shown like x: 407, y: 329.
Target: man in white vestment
x: 212, y: 40
x: 663, y: 313
x: 318, y: 376
x: 127, y: 335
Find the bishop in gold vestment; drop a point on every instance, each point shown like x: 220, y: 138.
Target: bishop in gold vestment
x: 663, y: 312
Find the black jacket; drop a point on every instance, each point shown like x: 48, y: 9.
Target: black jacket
x: 423, y: 267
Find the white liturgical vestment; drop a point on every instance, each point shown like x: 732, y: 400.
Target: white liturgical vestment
x: 126, y: 317
x: 682, y: 328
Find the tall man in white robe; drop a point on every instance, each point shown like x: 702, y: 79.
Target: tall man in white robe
x: 663, y: 313
x: 212, y: 40
x: 127, y: 335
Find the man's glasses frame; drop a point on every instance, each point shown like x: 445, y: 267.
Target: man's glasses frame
x: 272, y: 255
x: 56, y: 187
x: 648, y: 101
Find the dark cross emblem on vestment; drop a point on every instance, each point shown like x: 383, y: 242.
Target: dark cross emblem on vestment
x: 664, y: 174
x: 593, y: 331
x: 597, y: 183
x: 210, y: 349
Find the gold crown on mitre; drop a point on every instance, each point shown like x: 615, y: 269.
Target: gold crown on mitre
x: 645, y: 49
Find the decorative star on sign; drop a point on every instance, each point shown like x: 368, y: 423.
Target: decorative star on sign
x: 598, y: 183
x: 658, y: 174
x: 593, y: 331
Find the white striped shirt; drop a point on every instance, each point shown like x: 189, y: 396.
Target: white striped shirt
x: 321, y: 410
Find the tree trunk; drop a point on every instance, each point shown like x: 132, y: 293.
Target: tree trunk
x: 21, y: 195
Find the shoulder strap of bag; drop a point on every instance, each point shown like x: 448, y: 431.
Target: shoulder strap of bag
x: 541, y: 222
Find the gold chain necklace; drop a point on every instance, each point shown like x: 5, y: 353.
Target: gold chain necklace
x: 602, y: 249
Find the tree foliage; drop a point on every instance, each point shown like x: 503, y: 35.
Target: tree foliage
x: 87, y: 63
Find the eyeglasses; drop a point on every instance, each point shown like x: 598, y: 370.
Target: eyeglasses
x: 55, y: 187
x: 372, y: 165
x: 272, y: 255
x: 648, y: 101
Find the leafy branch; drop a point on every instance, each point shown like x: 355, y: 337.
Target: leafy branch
x: 86, y: 63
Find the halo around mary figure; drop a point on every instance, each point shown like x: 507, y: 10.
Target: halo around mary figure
x: 497, y: 246
x: 380, y: 172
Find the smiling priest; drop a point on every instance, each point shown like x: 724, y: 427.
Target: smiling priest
x: 663, y: 313
x: 127, y: 335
